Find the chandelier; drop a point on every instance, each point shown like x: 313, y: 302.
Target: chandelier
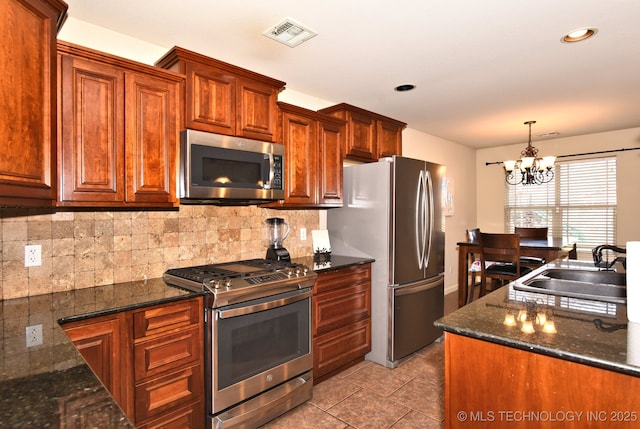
x: 529, y: 169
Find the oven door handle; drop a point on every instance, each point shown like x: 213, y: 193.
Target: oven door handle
x: 241, y: 311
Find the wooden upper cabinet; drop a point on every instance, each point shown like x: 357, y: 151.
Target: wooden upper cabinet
x: 370, y: 136
x: 389, y: 138
x: 313, y: 158
x: 152, y: 138
x: 299, y: 136
x: 119, y: 129
x: 28, y: 100
x: 223, y: 98
x: 210, y: 99
x: 331, y: 135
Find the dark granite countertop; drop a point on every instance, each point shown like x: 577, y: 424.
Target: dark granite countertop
x: 50, y: 385
x: 334, y: 262
x: 577, y: 339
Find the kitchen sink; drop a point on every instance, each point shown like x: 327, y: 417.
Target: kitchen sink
x: 588, y: 276
x: 605, y: 286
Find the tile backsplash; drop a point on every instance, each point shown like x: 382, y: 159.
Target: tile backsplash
x: 82, y: 249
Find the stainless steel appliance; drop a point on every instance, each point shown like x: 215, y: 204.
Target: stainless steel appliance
x: 277, y: 231
x: 392, y: 212
x: 258, y: 342
x: 227, y: 170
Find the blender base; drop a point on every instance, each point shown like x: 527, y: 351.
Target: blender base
x: 279, y: 254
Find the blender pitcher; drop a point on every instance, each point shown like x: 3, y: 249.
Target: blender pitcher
x: 277, y: 231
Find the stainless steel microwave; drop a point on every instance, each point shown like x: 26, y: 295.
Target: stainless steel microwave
x: 227, y: 170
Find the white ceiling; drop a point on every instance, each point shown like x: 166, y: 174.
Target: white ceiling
x: 481, y: 68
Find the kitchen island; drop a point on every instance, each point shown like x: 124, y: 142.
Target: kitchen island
x: 584, y: 372
x: 50, y: 385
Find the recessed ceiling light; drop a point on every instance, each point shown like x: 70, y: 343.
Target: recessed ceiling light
x: 405, y: 87
x: 578, y: 35
x: 289, y: 33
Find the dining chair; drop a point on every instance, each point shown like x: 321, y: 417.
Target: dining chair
x: 526, y: 232
x: 536, y: 233
x: 500, y: 259
x: 475, y: 279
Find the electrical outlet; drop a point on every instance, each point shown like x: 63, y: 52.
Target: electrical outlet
x: 303, y: 234
x: 34, y: 335
x: 32, y: 255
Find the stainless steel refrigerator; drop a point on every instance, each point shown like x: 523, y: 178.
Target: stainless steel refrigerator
x: 392, y: 212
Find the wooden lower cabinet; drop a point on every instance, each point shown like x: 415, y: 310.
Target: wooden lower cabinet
x: 341, y: 319
x: 101, y: 341
x: 151, y: 360
x: 488, y: 385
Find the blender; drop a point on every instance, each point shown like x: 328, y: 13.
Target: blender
x: 277, y: 230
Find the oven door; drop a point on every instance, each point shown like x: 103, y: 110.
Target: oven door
x: 259, y: 344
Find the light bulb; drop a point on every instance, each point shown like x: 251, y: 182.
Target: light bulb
x: 510, y: 319
x: 549, y: 327
x: 527, y: 327
x: 509, y: 165
x: 527, y: 162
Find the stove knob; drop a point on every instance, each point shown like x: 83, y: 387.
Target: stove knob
x: 214, y: 283
x: 305, y: 270
x: 298, y: 271
x: 227, y: 283
x: 288, y: 272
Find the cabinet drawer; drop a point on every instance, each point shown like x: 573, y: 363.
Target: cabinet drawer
x: 339, y: 347
x: 357, y: 274
x: 192, y: 417
x: 341, y: 307
x: 167, y: 353
x: 160, y: 319
x: 166, y: 393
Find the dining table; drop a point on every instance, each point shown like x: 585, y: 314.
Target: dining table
x: 549, y: 249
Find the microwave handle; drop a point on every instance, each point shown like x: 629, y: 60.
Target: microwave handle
x: 269, y: 184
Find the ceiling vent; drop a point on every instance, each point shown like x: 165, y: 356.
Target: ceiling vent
x: 290, y: 33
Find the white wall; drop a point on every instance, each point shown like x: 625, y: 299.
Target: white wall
x: 490, y: 179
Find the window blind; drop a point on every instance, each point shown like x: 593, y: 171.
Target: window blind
x: 579, y: 204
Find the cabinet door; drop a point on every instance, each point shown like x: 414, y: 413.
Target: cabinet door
x: 341, y: 319
x: 92, y: 130
x: 389, y: 139
x: 361, y: 141
x: 28, y: 100
x: 300, y: 141
x: 99, y: 342
x: 210, y: 100
x: 257, y: 110
x: 330, y: 140
x: 151, y: 139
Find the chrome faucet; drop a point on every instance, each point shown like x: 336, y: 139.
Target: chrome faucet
x: 606, y: 265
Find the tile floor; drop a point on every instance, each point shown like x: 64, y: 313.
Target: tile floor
x: 370, y: 396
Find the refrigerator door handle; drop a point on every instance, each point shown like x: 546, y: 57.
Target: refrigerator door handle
x: 419, y: 287
x: 421, y: 220
x: 429, y: 201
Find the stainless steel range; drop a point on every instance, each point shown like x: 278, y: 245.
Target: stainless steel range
x: 258, y: 337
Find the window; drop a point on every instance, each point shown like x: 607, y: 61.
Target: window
x: 579, y: 204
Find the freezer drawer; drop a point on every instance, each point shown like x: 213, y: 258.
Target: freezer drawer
x: 414, y: 309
